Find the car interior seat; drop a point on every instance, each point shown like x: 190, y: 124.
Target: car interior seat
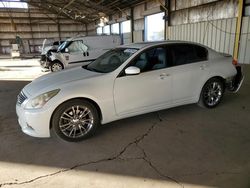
x: 114, y: 60
x: 142, y: 62
x: 161, y: 63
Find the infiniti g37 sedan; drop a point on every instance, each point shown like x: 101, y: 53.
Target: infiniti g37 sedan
x: 126, y: 81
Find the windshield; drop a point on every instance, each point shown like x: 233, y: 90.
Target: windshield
x: 111, y: 60
x: 63, y: 45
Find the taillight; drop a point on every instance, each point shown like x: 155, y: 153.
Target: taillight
x: 235, y: 62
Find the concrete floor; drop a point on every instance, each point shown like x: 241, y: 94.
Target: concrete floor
x: 186, y: 146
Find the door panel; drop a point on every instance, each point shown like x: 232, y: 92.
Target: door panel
x: 187, y: 81
x: 142, y: 92
x: 190, y: 67
x: 75, y: 57
x: 77, y: 52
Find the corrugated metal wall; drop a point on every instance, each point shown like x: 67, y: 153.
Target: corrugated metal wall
x: 218, y: 35
x: 244, y: 51
x: 33, y: 26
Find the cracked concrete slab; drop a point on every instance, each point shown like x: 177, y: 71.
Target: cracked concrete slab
x: 181, y: 147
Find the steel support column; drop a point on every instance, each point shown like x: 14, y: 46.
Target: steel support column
x: 238, y: 31
x: 132, y: 23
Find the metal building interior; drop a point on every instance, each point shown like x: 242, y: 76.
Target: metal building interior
x: 184, y: 146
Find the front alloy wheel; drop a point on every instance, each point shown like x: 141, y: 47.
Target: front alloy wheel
x: 75, y: 120
x: 56, y: 66
x: 212, y: 93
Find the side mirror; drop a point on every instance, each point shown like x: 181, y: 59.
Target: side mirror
x: 132, y: 70
x: 66, y: 50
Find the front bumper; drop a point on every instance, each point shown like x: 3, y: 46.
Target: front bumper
x: 235, y: 82
x: 34, y: 123
x: 44, y: 62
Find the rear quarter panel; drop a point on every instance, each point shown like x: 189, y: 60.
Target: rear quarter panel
x: 219, y: 65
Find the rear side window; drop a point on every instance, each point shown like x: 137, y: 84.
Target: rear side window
x: 182, y: 54
x: 201, y: 53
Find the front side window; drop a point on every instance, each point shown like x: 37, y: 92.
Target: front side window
x: 77, y: 46
x: 151, y: 59
x: 111, y: 60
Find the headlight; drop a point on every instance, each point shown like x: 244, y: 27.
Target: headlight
x: 41, y: 100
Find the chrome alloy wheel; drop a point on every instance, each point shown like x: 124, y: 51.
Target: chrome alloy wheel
x: 56, y: 67
x: 213, y: 93
x: 76, y: 121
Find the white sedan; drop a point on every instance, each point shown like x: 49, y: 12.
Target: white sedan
x: 126, y: 81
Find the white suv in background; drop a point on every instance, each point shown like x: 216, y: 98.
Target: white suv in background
x: 80, y: 51
x: 47, y: 49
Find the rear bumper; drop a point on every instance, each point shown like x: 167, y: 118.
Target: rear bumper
x: 235, y: 82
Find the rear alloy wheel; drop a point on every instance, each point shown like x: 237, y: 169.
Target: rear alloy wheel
x: 212, y: 93
x: 56, y: 66
x: 75, y: 120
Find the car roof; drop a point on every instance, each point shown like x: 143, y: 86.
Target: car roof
x: 80, y: 37
x: 141, y: 45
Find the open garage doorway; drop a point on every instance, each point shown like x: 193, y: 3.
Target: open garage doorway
x: 154, y: 27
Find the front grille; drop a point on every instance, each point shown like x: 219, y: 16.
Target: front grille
x: 21, y: 98
x: 43, y: 58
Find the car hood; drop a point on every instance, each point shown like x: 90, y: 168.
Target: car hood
x: 56, y: 55
x: 46, y: 49
x: 55, y: 80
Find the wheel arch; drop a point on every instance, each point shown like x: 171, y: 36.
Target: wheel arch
x: 200, y: 98
x: 81, y: 98
x: 58, y: 61
x: 211, y: 77
x: 223, y: 80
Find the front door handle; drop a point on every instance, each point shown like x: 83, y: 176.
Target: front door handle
x: 164, y: 75
x: 202, y: 67
x: 85, y: 53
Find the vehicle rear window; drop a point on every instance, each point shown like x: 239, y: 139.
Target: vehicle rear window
x: 187, y: 53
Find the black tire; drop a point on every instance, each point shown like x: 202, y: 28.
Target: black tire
x: 79, y: 116
x: 211, y: 93
x: 56, y: 66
